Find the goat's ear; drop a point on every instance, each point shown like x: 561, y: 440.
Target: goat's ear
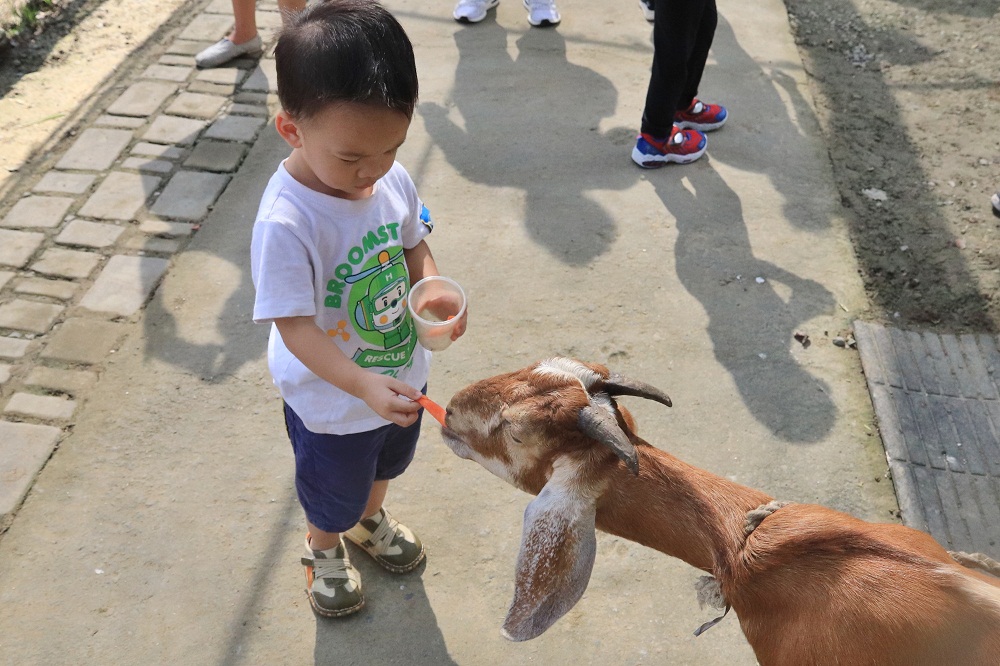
x: 558, y: 545
x: 600, y: 424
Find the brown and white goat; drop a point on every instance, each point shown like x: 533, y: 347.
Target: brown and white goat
x: 810, y: 585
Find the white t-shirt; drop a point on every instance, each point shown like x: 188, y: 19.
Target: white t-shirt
x: 340, y: 261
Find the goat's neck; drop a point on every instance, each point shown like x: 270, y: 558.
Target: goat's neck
x: 678, y: 509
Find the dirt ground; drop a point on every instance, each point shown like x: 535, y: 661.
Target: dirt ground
x: 908, y: 95
x: 47, y: 78
x: 907, y: 92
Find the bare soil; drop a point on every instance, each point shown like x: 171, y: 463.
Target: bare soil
x: 75, y: 54
x: 907, y: 92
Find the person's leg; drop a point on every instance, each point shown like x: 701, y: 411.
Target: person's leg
x: 334, y: 475
x: 676, y: 29
x: 392, y: 545
x: 703, y: 37
x: 289, y: 8
x: 376, y: 497
x: 693, y: 113
x: 676, y: 26
x: 245, y: 21
x: 321, y: 540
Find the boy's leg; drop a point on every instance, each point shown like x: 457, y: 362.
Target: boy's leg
x: 320, y: 540
x: 693, y: 113
x: 333, y: 477
x: 675, y: 33
x: 703, y: 37
x: 392, y: 545
x: 376, y: 497
x: 333, y: 585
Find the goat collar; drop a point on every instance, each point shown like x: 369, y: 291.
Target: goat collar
x: 708, y: 588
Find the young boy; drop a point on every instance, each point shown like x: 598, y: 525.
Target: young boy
x: 339, y: 239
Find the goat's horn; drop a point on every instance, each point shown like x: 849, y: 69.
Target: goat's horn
x: 600, y: 424
x: 616, y: 384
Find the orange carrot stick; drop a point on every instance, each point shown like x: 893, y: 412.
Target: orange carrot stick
x: 434, y: 409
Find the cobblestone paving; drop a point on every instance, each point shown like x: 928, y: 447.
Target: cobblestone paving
x: 83, y: 246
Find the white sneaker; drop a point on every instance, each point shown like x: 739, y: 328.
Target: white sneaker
x: 224, y: 50
x: 995, y: 200
x: 473, y: 11
x: 542, y: 12
x: 647, y: 9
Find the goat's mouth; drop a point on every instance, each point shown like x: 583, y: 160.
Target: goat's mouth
x: 456, y: 443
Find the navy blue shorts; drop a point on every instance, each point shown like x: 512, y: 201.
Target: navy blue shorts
x: 334, y: 473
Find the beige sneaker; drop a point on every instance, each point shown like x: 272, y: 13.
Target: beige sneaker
x: 392, y: 545
x: 332, y: 584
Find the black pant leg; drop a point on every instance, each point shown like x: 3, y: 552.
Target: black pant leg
x: 680, y: 49
x: 699, y: 56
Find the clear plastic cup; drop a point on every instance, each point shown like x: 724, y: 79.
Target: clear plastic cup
x: 436, y: 304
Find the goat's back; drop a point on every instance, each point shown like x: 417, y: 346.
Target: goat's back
x: 816, y: 586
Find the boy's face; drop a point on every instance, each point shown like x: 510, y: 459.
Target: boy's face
x: 342, y: 150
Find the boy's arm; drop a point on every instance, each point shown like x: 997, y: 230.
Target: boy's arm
x: 324, y: 358
x: 420, y: 262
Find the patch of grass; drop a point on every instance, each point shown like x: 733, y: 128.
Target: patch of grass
x: 26, y: 18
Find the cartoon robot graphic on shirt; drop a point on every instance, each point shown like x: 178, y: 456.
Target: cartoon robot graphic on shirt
x: 378, y: 297
x: 383, y: 306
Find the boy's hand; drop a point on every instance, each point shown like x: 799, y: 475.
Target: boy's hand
x: 441, y: 306
x: 459, y: 329
x: 385, y: 395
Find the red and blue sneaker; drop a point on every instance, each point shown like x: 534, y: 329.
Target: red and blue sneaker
x: 681, y: 147
x: 701, y: 116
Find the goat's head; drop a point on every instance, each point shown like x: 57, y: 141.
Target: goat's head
x: 555, y: 430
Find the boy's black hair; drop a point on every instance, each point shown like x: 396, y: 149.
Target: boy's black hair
x: 345, y: 51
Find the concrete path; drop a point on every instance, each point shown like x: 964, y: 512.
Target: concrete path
x: 164, y: 526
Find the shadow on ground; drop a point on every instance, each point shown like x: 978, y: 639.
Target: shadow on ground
x: 750, y: 324
x: 509, y: 106
x: 396, y: 610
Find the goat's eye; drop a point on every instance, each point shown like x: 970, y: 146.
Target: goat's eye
x: 507, y: 427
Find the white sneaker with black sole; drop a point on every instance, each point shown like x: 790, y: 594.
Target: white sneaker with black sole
x: 542, y: 12
x: 473, y: 11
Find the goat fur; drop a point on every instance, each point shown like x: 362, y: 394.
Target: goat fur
x: 809, y: 585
